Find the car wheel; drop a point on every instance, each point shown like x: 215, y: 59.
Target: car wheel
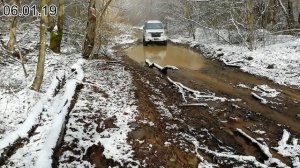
x: 165, y: 43
x: 144, y: 42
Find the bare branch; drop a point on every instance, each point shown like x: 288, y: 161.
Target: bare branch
x: 284, y: 9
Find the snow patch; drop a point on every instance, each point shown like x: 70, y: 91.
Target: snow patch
x: 266, y: 91
x: 33, y: 117
x: 291, y: 149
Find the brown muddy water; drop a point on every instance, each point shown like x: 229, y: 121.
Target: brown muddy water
x: 167, y: 55
x: 200, y: 73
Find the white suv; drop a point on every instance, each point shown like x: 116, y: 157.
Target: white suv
x: 154, y: 32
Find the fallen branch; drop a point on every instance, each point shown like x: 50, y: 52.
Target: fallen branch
x: 197, y: 95
x: 240, y: 158
x: 195, y: 104
x: 180, y: 88
x: 262, y: 100
x: 160, y: 68
x: 264, y: 149
x: 22, y: 61
x: 232, y: 63
x: 289, y: 147
x: 21, y: 57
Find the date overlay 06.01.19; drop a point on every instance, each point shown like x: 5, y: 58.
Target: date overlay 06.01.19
x: 27, y: 10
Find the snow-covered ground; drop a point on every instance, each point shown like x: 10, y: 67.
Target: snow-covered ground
x: 36, y: 119
x: 16, y: 97
x: 48, y: 116
x: 289, y: 149
x: 278, y: 61
x: 102, y: 117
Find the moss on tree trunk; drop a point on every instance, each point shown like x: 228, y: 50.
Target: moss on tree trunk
x: 56, y: 35
x: 55, y: 40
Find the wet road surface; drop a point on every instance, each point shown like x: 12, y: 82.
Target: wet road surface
x: 197, y: 71
x: 168, y: 55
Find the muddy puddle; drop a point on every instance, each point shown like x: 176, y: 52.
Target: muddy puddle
x: 168, y: 55
x: 200, y: 73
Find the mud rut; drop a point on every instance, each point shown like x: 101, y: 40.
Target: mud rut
x: 215, y: 126
x: 166, y: 131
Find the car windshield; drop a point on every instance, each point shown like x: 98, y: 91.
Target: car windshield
x: 154, y: 26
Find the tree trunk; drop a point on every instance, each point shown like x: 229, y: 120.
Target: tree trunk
x: 289, y: 13
x: 100, y: 25
x: 291, y: 17
x: 76, y: 9
x: 13, y: 29
x: 91, y: 31
x: 41, y: 60
x: 272, y: 13
x: 250, y: 21
x: 188, y: 15
x: 56, y: 35
x: 94, y: 21
x: 50, y: 19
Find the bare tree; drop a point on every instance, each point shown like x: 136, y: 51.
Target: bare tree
x: 92, y: 26
x: 13, y: 29
x: 38, y: 80
x: 90, y: 30
x: 188, y: 15
x: 289, y: 12
x: 290, y: 17
x: 50, y: 19
x: 57, y: 34
x: 272, y: 12
x: 251, y: 23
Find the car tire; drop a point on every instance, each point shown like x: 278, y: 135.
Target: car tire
x: 144, y: 42
x: 165, y: 43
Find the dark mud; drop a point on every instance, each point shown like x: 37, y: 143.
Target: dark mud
x: 216, y: 125
x: 212, y: 75
x: 167, y: 55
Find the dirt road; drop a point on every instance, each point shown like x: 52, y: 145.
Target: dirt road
x: 255, y: 105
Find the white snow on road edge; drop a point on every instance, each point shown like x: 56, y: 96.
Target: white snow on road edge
x: 289, y: 150
x: 278, y: 62
x: 45, y: 156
